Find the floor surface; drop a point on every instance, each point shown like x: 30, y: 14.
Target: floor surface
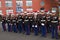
x: 21, y: 36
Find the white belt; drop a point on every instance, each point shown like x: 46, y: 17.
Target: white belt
x: 43, y: 20
x: 20, y: 20
x: 25, y: 20
x: 48, y: 20
x: 54, y: 21
x: 8, y: 20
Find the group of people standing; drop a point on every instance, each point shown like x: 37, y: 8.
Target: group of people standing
x: 42, y: 22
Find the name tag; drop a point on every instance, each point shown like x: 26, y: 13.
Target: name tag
x: 36, y: 26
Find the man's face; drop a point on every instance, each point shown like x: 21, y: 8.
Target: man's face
x: 53, y: 14
x: 47, y: 14
x: 42, y: 13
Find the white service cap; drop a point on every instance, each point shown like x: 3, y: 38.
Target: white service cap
x: 42, y: 10
x: 53, y: 11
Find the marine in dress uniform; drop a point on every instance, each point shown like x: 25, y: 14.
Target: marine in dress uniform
x: 20, y: 22
x: 32, y: 28
x: 30, y: 22
x: 43, y: 22
x: 35, y: 24
x: 17, y: 20
x: 54, y: 24
x: 14, y: 26
x: 9, y: 24
x: 26, y: 25
x: 48, y: 24
x: 4, y: 23
x: 38, y: 22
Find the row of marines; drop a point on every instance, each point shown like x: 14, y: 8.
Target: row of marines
x: 40, y: 23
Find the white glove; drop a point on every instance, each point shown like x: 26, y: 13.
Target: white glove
x: 36, y: 26
x: 42, y: 24
x: 32, y: 25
